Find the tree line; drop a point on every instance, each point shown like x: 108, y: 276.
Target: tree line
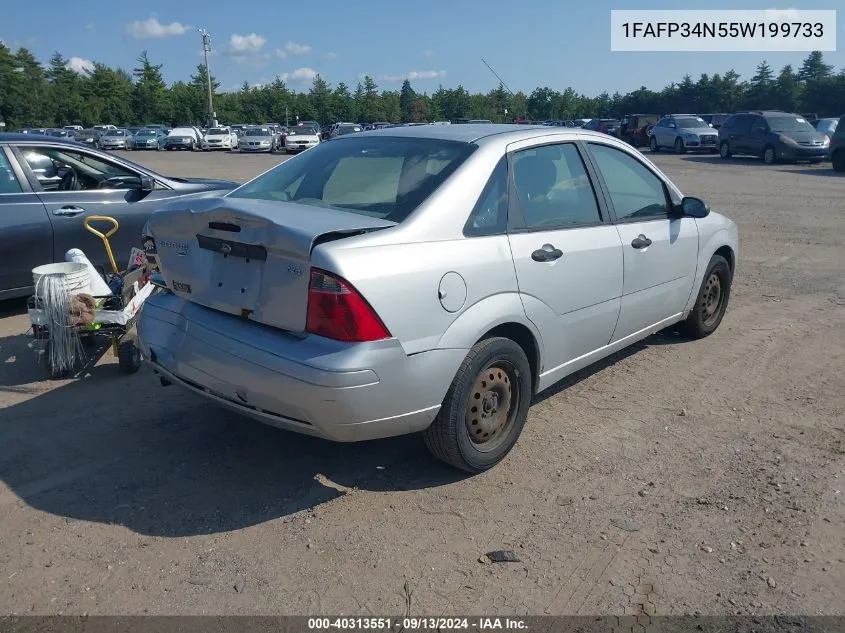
x: 53, y: 95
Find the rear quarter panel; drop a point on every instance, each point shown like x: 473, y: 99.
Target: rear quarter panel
x: 402, y: 281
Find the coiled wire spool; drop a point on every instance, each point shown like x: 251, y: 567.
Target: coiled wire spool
x: 65, y: 346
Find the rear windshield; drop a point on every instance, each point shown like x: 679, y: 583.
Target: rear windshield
x: 218, y: 130
x: 381, y: 177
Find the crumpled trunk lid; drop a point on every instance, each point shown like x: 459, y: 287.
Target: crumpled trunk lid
x: 251, y: 258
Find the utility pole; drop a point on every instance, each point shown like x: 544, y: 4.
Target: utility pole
x: 206, y: 49
x: 286, y: 116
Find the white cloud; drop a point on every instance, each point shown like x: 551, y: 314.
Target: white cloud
x: 246, y: 44
x: 300, y: 75
x: 292, y: 48
x: 80, y: 65
x: 151, y: 28
x: 414, y: 75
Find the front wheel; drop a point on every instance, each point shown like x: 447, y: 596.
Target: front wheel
x: 679, y: 146
x: 653, y: 145
x: 712, y: 300
x: 485, y: 409
x: 128, y: 357
x: 725, y: 150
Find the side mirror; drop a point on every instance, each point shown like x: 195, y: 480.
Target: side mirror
x: 694, y: 208
x: 148, y: 183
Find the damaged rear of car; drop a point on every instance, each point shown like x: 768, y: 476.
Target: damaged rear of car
x: 271, y: 304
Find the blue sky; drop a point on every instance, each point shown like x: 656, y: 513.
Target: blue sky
x: 540, y: 43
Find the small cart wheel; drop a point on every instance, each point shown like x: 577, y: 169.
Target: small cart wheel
x: 128, y: 357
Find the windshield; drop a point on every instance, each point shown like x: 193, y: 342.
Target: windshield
x: 691, y: 122
x: 789, y: 124
x: 257, y: 131
x: 348, y: 129
x: 218, y: 130
x: 302, y: 131
x: 380, y: 177
x: 146, y: 133
x: 116, y: 133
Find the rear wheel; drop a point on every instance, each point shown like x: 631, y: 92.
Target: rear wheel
x: 712, y: 300
x: 838, y: 160
x: 485, y: 408
x: 128, y: 357
x: 725, y: 150
x: 653, y: 145
x: 769, y: 155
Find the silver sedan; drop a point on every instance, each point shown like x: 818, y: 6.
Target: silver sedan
x: 428, y: 279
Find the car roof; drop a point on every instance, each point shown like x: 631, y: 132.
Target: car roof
x: 17, y: 137
x: 470, y: 133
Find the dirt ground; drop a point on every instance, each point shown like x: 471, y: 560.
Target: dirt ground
x: 678, y: 477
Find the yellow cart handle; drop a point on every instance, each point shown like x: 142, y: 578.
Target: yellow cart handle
x: 104, y: 236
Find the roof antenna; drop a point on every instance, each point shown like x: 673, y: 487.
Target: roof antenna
x: 501, y: 81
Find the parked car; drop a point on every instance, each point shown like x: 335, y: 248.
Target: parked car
x: 73, y: 128
x: 683, y: 132
x: 634, y: 128
x: 428, y: 279
x: 115, y: 139
x: 88, y: 136
x: 220, y: 138
x: 827, y: 127
x: 312, y: 124
x: 837, y: 146
x: 183, y: 138
x: 605, y: 126
x: 257, y: 139
x: 300, y: 138
x: 774, y: 136
x: 715, y: 120
x: 345, y: 128
x: 48, y: 186
x: 149, y: 138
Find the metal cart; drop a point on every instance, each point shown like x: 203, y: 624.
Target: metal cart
x: 114, y: 317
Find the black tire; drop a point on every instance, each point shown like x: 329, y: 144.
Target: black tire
x: 725, y: 150
x: 679, y: 146
x: 770, y: 156
x: 705, y: 317
x: 128, y: 357
x: 449, y: 437
x: 838, y: 160
x: 652, y: 143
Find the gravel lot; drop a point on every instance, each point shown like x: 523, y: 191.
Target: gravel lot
x: 677, y: 477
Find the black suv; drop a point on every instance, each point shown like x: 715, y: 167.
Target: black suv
x: 635, y: 127
x: 773, y: 135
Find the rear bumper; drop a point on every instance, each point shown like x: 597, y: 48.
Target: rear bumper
x: 310, y: 385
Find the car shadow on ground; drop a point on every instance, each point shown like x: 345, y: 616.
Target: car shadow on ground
x: 713, y: 159
x: 822, y: 170
x: 118, y: 449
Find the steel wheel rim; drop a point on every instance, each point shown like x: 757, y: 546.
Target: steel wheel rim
x: 492, y: 406
x: 711, y: 300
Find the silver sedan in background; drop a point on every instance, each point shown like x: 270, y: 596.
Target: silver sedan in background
x: 115, y: 139
x: 258, y: 139
x: 428, y: 279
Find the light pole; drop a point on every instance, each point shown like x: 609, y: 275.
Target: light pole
x: 206, y: 49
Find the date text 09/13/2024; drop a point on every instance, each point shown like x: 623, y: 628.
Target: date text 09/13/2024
x: 420, y: 623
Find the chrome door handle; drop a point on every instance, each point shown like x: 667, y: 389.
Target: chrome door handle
x: 546, y: 254
x: 641, y: 241
x: 69, y: 211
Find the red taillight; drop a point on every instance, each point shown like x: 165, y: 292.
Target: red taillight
x: 337, y: 311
